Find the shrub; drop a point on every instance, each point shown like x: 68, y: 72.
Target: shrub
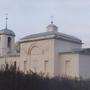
x: 11, y: 79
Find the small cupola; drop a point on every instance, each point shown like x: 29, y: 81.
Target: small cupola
x: 7, y: 31
x: 52, y: 27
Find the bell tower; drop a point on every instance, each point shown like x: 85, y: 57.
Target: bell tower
x: 7, y: 40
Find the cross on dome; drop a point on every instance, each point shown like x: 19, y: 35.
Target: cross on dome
x: 51, y: 19
x: 6, y: 20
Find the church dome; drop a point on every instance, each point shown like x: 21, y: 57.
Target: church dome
x: 7, y: 32
x: 52, y: 27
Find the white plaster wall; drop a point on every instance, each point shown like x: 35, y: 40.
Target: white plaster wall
x: 0, y: 45
x: 74, y: 65
x: 13, y: 44
x: 3, y: 44
x: 62, y: 46
x: 47, y: 53
x: 3, y: 47
x: 84, y: 65
x: 10, y: 61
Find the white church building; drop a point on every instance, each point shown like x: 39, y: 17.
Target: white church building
x: 50, y: 52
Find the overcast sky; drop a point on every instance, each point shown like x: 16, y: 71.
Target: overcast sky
x: 32, y: 16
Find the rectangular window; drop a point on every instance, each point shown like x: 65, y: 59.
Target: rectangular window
x: 15, y: 65
x: 67, y: 67
x: 46, y: 66
x: 25, y: 65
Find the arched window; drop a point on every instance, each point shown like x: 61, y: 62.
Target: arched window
x: 35, y: 50
x: 9, y: 42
